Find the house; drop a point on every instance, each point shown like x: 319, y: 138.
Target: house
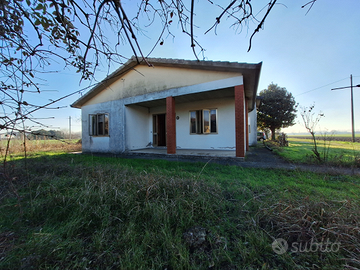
x: 174, y: 104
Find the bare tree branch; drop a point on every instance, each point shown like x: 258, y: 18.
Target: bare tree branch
x: 271, y: 5
x: 75, y: 34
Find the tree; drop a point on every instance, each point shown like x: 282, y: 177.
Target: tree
x: 43, y: 134
x: 277, y: 109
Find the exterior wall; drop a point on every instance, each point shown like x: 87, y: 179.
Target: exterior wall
x: 146, y: 80
x: 138, y: 124
x: 113, y: 143
x: 253, y: 127
x: 138, y: 131
x: 130, y: 126
x: 225, y: 137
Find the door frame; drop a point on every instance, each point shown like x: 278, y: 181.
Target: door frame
x: 159, y: 129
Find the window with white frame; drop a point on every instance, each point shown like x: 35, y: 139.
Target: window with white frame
x: 99, y: 124
x: 203, y: 121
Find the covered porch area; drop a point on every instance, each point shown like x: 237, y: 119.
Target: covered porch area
x: 209, y: 119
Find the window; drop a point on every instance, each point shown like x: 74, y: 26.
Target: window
x: 99, y: 125
x: 203, y: 121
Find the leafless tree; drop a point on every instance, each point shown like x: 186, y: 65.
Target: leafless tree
x: 36, y: 36
x: 311, y: 120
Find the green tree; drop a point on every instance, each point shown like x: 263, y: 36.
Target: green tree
x: 277, y: 109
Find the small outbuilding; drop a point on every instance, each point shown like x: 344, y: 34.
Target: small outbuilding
x: 172, y: 104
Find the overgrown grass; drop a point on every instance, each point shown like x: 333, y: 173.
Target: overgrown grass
x: 333, y: 152
x: 87, y: 212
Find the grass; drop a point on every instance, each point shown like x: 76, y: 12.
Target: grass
x: 334, y: 152
x: 81, y: 211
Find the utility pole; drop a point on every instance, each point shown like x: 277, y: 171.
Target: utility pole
x: 69, y: 127
x: 352, y: 105
x: 352, y: 110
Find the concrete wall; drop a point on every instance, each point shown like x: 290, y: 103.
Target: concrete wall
x: 130, y: 125
x: 253, y: 127
x: 144, y: 80
x: 138, y: 131
x: 138, y: 125
x: 113, y: 143
x: 224, y: 139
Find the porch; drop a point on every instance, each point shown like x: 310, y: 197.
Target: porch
x: 226, y: 153
x: 208, y: 117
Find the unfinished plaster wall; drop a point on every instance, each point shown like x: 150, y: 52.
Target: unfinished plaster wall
x: 223, y: 139
x: 253, y: 127
x: 138, y: 125
x: 225, y: 136
x: 130, y: 125
x: 115, y: 141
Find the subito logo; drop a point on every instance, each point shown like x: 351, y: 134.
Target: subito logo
x: 279, y: 246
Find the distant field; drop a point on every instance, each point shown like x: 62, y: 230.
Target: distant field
x: 16, y: 147
x: 336, y: 137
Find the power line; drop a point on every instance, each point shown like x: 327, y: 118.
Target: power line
x: 322, y: 87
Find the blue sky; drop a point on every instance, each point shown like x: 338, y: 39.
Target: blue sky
x: 307, y: 53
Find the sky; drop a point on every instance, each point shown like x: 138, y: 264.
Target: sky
x: 307, y: 52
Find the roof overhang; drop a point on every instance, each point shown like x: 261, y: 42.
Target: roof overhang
x: 250, y: 73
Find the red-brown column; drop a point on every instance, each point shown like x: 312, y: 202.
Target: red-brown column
x: 170, y: 126
x: 247, y: 124
x: 239, y: 121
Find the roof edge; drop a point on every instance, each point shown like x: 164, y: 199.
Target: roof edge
x: 244, y: 68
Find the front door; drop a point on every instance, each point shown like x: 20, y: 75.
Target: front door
x: 159, y: 130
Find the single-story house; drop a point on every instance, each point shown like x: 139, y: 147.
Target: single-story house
x: 174, y: 104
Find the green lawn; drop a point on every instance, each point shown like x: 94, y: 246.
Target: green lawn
x: 335, y: 152
x: 86, y: 212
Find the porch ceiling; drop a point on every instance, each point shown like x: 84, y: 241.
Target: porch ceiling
x: 215, y: 94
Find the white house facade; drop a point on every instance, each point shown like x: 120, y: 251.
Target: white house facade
x: 174, y: 104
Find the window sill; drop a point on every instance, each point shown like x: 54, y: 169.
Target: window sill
x: 213, y: 133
